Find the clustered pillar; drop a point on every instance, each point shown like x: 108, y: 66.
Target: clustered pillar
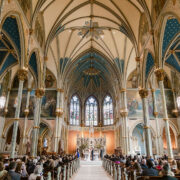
x: 125, y: 129
x: 144, y: 93
x: 22, y: 75
x: 39, y: 94
x: 160, y: 74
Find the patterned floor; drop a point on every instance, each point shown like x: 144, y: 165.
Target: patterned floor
x: 91, y: 170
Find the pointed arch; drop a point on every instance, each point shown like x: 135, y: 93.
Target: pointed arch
x: 108, y: 110
x: 75, y: 110
x: 91, y: 111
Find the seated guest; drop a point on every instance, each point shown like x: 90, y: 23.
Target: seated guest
x: 3, y: 172
x: 143, y: 164
x: 137, y: 168
x: 150, y: 171
x: 159, y: 166
x: 174, y: 166
x: 12, y: 173
x: 37, y: 173
x: 167, y: 173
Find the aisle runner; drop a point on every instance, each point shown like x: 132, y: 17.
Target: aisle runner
x: 91, y: 170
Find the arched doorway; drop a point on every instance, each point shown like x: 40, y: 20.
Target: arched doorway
x: 173, y: 140
x: 138, y: 140
x: 9, y: 139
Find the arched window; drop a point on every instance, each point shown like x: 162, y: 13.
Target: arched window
x: 108, y: 110
x: 74, y: 111
x: 91, y: 112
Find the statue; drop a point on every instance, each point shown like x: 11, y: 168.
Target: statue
x: 45, y: 143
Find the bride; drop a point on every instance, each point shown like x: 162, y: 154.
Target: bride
x: 89, y: 155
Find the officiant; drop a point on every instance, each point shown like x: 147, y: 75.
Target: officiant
x: 92, y: 154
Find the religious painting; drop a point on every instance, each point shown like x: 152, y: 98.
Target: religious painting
x: 143, y: 30
x: 50, y: 81
x: 157, y: 6
x: 169, y: 103
x: 48, y: 109
x: 134, y: 104
x: 31, y: 104
x: 23, y: 103
x: 26, y: 7
x: 39, y: 32
x: 12, y: 103
x: 133, y: 80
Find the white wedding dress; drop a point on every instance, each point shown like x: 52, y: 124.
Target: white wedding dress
x: 89, y: 156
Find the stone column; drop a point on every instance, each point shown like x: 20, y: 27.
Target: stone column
x: 158, y: 137
x: 60, y: 113
x: 22, y: 75
x: 26, y: 112
x: 144, y: 93
x: 124, y: 114
x: 56, y: 143
x: 39, y: 94
x: 160, y: 77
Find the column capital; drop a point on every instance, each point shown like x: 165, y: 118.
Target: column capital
x: 153, y: 90
x: 59, y: 112
x: 165, y: 119
x: 16, y: 119
x: 26, y: 112
x: 122, y: 90
x: 155, y: 114
x: 36, y: 127
x: 29, y: 89
x: 82, y: 124
x: 124, y: 112
x: 31, y: 31
x: 45, y: 58
x: 40, y: 92
x: 5, y: 111
x: 146, y: 127
x: 175, y: 112
x: 22, y: 74
x: 60, y: 90
x: 138, y: 59
x: 160, y: 74
x: 143, y: 93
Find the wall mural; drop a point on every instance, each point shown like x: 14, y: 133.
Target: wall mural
x: 134, y: 104
x: 143, y: 30
x: 26, y: 7
x: 50, y: 81
x: 39, y: 32
x: 157, y: 6
x: 49, y: 104
x: 169, y: 103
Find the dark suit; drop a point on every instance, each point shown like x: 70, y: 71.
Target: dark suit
x: 92, y: 154
x: 14, y: 175
x: 150, y: 172
x: 169, y: 178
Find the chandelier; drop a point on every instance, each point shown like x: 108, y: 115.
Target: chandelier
x: 91, y: 71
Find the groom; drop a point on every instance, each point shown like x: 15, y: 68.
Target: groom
x: 92, y: 154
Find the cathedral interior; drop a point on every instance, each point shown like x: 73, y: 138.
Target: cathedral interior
x: 74, y: 69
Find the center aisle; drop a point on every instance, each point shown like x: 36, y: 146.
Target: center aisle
x: 91, y: 170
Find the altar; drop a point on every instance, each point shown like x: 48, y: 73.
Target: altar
x: 92, y: 146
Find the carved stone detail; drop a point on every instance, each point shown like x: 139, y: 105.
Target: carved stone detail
x: 160, y: 74
x: 40, y: 92
x: 22, y: 74
x: 143, y: 93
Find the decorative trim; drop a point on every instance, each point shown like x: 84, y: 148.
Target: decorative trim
x: 40, y: 92
x: 143, y: 93
x: 155, y: 114
x: 22, y: 74
x: 60, y: 90
x: 122, y: 90
x: 146, y: 127
x: 59, y: 112
x: 160, y: 74
x: 36, y: 127
x: 16, y: 119
x: 165, y: 119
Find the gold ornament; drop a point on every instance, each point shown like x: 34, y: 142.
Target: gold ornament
x: 155, y: 114
x: 59, y: 112
x: 36, y: 127
x: 39, y: 92
x: 26, y: 112
x: 143, y: 93
x: 22, y: 74
x: 160, y: 74
x: 124, y: 112
x: 60, y: 90
x: 122, y: 90
x: 137, y: 59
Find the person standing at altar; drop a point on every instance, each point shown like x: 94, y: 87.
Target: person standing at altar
x: 92, y: 154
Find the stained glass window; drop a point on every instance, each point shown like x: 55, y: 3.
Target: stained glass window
x: 91, y: 112
x: 74, y: 111
x: 108, y: 111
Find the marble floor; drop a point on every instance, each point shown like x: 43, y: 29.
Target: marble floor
x: 91, y: 170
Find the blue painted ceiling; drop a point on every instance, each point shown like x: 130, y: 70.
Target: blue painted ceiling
x: 10, y: 27
x: 171, y: 30
x: 95, y: 60
x: 173, y: 56
x: 33, y: 63
x: 6, y: 60
x: 149, y: 64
